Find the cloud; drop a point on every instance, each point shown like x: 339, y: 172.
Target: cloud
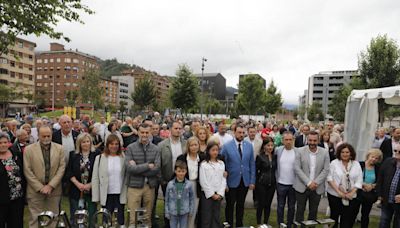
x: 286, y: 41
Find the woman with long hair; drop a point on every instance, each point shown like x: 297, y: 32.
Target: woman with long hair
x: 203, y: 134
x: 108, y: 179
x: 112, y: 129
x: 265, y: 179
x: 79, y: 172
x: 193, y: 158
x: 325, y: 142
x: 213, y: 185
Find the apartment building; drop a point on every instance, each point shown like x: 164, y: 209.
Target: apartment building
x: 17, y: 70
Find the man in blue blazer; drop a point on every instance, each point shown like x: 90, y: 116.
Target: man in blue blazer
x: 240, y: 165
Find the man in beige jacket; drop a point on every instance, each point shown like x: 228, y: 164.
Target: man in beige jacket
x: 44, y: 167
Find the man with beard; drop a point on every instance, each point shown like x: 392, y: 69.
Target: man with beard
x: 44, y: 167
x: 240, y: 165
x: 388, y: 145
x: 311, y: 169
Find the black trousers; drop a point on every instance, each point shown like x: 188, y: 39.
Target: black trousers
x: 264, y: 195
x: 112, y: 203
x: 210, y: 210
x: 236, y: 197
x: 12, y: 214
x: 347, y: 214
x: 313, y: 199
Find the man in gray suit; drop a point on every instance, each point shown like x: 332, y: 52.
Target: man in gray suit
x: 311, y: 168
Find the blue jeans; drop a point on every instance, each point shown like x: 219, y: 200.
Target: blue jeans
x: 283, y: 192
x: 179, y: 221
x: 387, y: 212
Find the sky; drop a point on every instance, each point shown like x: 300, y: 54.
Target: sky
x: 285, y: 41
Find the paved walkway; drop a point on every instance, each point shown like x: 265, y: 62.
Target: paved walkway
x: 322, y: 205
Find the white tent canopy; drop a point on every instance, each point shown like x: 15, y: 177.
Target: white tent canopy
x: 362, y: 115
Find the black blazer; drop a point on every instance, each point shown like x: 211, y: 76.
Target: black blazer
x: 183, y: 157
x: 4, y: 188
x: 73, y: 170
x: 57, y: 137
x: 299, y: 141
x: 376, y: 167
x: 156, y: 140
x: 265, y: 170
x: 385, y: 176
x: 386, y: 148
x: 16, y: 148
x: 331, y: 150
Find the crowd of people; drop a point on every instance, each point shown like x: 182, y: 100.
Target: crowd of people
x: 197, y: 164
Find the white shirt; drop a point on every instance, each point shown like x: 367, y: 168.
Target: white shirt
x: 34, y: 134
x: 176, y: 150
x: 67, y: 144
x: 313, y: 164
x: 286, y: 167
x: 224, y: 138
x: 337, y: 172
x: 102, y: 130
x: 114, y: 175
x: 212, y: 178
x: 193, y: 167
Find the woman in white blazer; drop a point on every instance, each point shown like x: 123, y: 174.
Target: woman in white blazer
x: 108, y: 180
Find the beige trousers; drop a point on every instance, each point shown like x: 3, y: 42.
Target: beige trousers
x: 38, y: 203
x: 135, y: 196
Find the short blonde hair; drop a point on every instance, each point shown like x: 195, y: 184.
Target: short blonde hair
x: 79, y: 140
x: 189, y: 141
x: 376, y: 152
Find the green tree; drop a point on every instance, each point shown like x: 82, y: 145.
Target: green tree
x: 184, y: 91
x: 145, y: 92
x: 36, y: 17
x: 380, y: 66
x: 314, y: 112
x: 252, y: 96
x: 273, y: 101
x: 90, y: 90
x: 6, y: 95
x: 391, y: 113
x: 213, y: 106
x: 72, y: 96
x: 122, y: 106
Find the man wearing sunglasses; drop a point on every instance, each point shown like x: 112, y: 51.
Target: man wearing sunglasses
x: 388, y: 188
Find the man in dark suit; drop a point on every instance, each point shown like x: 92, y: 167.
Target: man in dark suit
x: 65, y: 136
x: 301, y: 140
x: 387, y: 144
x: 155, y: 131
x: 388, y: 189
x: 18, y: 146
x: 240, y: 165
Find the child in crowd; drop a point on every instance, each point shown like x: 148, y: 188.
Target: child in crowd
x: 179, y: 198
x: 213, y: 185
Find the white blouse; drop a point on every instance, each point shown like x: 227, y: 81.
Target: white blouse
x: 212, y: 178
x: 337, y: 173
x: 114, y: 175
x: 193, y: 167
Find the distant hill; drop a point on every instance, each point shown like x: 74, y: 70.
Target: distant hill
x: 289, y: 106
x: 110, y: 67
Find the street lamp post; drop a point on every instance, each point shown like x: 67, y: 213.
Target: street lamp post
x: 202, y: 88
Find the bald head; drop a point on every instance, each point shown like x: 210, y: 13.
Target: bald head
x: 66, y: 124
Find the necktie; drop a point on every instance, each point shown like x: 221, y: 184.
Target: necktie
x: 240, y: 150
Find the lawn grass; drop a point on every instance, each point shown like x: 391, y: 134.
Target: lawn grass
x: 249, y: 215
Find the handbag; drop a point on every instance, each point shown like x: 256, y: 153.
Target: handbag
x: 367, y: 197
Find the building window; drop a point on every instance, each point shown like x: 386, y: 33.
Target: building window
x: 58, y: 60
x: 20, y: 75
x: 38, y: 76
x: 51, y: 60
x: 20, y: 44
x: 3, y: 71
x: 30, y: 68
x: 38, y: 60
x: 58, y: 68
x: 30, y: 78
x: 75, y: 60
x: 39, y: 84
x: 45, y: 76
x: 21, y: 66
x: 45, y: 84
x: 67, y: 68
x: 45, y: 61
x: 12, y: 74
x: 67, y: 60
x: 3, y: 60
x: 30, y: 57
